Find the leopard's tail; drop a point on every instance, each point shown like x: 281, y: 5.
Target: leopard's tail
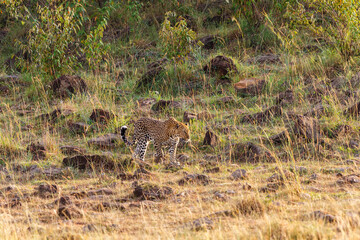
x: 123, y: 137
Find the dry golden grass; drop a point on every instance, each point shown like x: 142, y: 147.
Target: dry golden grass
x: 222, y: 209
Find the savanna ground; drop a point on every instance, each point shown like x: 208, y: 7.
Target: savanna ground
x: 274, y: 128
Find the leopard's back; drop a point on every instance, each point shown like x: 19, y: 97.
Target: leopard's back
x: 149, y: 127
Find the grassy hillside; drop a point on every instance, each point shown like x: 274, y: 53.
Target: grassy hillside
x: 269, y: 89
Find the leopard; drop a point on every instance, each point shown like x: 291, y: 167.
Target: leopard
x: 161, y: 133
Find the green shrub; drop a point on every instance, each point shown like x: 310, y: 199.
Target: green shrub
x: 336, y: 23
x: 177, y: 41
x: 57, y: 36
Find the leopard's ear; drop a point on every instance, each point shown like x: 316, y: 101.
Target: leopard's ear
x: 172, y: 119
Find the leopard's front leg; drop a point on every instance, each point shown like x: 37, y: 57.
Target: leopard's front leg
x: 172, y: 150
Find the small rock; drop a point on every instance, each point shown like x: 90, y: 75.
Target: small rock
x: 146, y: 102
x: 188, y: 116
x: 249, y: 153
x: 68, y: 212
x: 37, y: 150
x: 250, y: 86
x: 67, y: 85
x: 212, y: 170
x: 194, y: 178
x: 267, y: 190
x: 209, y: 41
x: 286, y: 97
x: 101, y: 116
x: 95, y: 162
x: 46, y: 190
x: 210, y: 139
x: 71, y: 150
x: 63, y: 200
x: 78, y: 127
x: 148, y: 191
x: 221, y: 66
x: 163, y: 105
x: 349, y: 179
x: 280, y: 177
x: 239, y: 174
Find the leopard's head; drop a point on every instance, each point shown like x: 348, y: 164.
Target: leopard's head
x: 178, y: 129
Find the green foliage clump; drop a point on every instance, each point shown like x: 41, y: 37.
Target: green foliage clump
x: 177, y: 41
x: 57, y: 37
x: 337, y: 23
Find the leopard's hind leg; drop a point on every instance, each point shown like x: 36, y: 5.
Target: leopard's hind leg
x: 141, y: 148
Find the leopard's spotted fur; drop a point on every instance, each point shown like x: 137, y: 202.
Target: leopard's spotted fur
x: 160, y: 132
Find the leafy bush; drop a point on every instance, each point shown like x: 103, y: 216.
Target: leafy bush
x: 177, y: 41
x: 335, y: 22
x: 250, y: 16
x: 57, y: 37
